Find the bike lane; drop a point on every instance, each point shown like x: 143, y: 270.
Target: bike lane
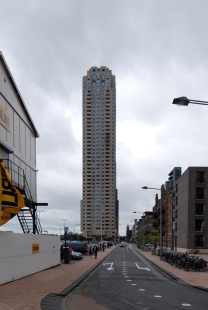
x: 125, y: 280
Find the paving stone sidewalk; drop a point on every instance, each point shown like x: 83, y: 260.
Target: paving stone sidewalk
x: 193, y: 278
x: 27, y: 293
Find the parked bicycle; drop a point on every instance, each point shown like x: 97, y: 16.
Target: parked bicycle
x: 194, y: 251
x: 185, y: 261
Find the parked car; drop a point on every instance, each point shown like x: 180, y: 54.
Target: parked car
x: 81, y: 247
x: 63, y: 251
x: 150, y: 245
x: 76, y: 255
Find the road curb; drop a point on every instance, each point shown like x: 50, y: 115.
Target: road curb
x: 72, y: 286
x: 163, y: 270
x: 172, y: 275
x: 59, y: 301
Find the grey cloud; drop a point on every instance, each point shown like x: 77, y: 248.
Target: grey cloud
x: 156, y: 49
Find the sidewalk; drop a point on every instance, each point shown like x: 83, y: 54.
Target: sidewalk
x: 46, y: 289
x: 193, y: 278
x: 27, y: 293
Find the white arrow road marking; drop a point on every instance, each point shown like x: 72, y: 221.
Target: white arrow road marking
x: 111, y: 264
x: 142, y: 268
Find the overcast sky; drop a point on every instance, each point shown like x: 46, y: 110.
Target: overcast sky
x: 158, y: 50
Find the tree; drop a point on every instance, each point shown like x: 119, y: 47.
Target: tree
x: 139, y: 239
x: 154, y: 236
x: 122, y: 238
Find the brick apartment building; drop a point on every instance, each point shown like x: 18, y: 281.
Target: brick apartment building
x: 184, y: 211
x: 145, y: 225
x: 191, y: 210
x: 167, y: 215
x: 142, y: 227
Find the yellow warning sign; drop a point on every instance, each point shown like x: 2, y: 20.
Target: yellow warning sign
x: 35, y: 248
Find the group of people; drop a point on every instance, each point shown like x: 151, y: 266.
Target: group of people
x: 93, y: 249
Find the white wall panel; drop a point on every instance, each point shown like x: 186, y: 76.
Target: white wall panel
x: 17, y: 260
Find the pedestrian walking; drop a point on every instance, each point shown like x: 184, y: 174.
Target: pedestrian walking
x: 95, y: 250
x: 62, y: 254
x: 90, y: 251
x: 103, y: 246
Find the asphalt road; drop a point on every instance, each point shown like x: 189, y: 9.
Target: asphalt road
x: 125, y: 281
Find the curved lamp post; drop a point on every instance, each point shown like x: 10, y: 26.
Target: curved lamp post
x: 184, y: 101
x: 159, y: 189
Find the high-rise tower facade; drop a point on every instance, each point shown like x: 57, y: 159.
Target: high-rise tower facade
x: 99, y: 204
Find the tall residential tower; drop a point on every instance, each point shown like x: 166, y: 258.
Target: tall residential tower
x: 99, y: 204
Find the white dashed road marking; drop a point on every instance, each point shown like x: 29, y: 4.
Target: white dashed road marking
x: 141, y: 290
x: 186, y: 305
x: 157, y: 296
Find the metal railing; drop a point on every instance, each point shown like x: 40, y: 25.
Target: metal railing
x: 27, y: 216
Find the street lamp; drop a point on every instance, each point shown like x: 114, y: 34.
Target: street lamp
x: 78, y: 233
x: 66, y: 253
x: 64, y: 222
x: 159, y: 189
x: 184, y: 101
x: 143, y: 226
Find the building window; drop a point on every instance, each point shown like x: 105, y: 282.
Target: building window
x: 199, y: 209
x: 199, y: 225
x: 199, y: 241
x: 199, y: 193
x: 200, y: 176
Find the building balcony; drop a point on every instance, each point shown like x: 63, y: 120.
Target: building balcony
x: 155, y: 215
x: 200, y: 197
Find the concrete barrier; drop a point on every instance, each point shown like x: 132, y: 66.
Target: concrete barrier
x: 146, y: 249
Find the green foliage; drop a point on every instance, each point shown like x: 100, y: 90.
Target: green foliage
x: 154, y: 236
x: 122, y: 238
x: 139, y: 239
x: 73, y: 236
